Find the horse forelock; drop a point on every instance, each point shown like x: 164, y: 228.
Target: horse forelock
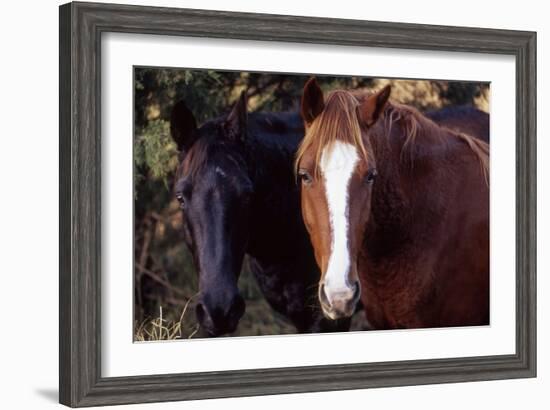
x: 337, y: 122
x: 196, y: 159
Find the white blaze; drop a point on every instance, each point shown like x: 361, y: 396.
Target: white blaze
x: 338, y: 162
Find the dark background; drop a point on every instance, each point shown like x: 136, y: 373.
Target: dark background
x: 165, y: 278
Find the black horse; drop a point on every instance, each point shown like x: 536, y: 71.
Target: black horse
x: 465, y: 119
x: 238, y: 194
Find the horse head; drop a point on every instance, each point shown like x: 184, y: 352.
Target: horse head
x: 213, y: 188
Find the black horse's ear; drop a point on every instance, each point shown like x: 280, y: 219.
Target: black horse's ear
x: 182, y: 126
x: 235, y: 124
x: 373, y: 106
x: 313, y: 101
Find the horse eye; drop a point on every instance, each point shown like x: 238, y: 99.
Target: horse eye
x: 371, y: 175
x: 305, y: 177
x: 181, y: 200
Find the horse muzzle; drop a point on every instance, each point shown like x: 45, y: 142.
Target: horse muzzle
x: 340, y: 302
x: 221, y: 319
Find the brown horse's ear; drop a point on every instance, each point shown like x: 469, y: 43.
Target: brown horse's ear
x: 373, y: 106
x: 313, y: 101
x: 235, y: 124
x: 182, y: 126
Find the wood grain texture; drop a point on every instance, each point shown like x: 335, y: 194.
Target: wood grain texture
x: 81, y: 25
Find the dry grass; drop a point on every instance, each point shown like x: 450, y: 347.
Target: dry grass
x: 161, y: 328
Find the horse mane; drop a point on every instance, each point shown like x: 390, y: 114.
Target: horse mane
x: 415, y: 123
x: 339, y: 122
x: 481, y: 149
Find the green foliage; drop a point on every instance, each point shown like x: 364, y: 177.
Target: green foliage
x: 155, y: 150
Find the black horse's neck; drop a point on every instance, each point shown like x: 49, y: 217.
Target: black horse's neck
x: 277, y: 227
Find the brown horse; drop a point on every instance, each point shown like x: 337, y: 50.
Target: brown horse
x: 397, y: 209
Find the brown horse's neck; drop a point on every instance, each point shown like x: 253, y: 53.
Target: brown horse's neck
x: 405, y: 201
x: 390, y: 208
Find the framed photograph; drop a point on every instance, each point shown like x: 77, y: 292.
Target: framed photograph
x: 260, y: 204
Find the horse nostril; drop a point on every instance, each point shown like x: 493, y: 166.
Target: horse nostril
x: 323, y: 296
x: 237, y: 308
x: 356, y: 291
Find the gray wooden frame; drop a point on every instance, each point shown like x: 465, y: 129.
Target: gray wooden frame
x: 81, y: 26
